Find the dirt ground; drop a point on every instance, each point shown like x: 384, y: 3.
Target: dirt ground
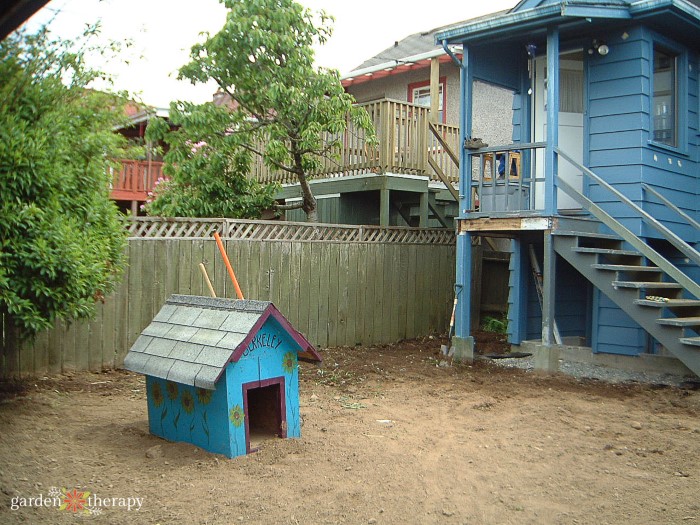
x: 389, y: 437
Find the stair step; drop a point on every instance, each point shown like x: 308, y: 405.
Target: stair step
x: 607, y: 251
x: 679, y: 321
x: 626, y: 268
x: 645, y: 284
x: 671, y: 303
x: 591, y: 235
x: 695, y: 341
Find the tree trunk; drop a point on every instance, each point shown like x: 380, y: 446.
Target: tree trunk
x: 310, y: 205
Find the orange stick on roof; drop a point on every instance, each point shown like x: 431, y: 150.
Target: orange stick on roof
x: 220, y: 244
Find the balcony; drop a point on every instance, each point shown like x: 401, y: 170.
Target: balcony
x: 135, y: 180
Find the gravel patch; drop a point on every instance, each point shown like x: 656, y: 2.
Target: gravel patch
x: 599, y: 372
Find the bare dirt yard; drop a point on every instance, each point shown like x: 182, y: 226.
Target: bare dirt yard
x: 389, y: 437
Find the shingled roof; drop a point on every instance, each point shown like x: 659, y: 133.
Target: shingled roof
x: 192, y: 338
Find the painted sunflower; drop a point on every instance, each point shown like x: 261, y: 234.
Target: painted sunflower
x: 172, y: 390
x: 236, y: 415
x: 288, y: 362
x: 157, y: 394
x: 187, y: 401
x: 204, y: 396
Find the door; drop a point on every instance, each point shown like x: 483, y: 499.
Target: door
x: 571, y: 82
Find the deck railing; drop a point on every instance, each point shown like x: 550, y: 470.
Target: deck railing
x: 507, y: 179
x: 403, y: 146
x: 135, y: 179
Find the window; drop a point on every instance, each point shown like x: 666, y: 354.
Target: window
x: 665, y: 98
x: 419, y: 94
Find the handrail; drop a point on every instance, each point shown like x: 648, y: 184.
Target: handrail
x: 675, y: 208
x: 513, y: 146
x: 671, y: 237
x: 443, y: 143
x: 612, y: 223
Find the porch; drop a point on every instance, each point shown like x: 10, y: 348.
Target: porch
x: 134, y: 180
x: 408, y: 177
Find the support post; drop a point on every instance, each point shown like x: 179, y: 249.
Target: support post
x: 551, y: 161
x: 516, y: 293
x: 384, y: 207
x: 463, y: 342
x: 423, y: 221
x: 548, y: 289
x: 434, y: 89
x: 465, y: 126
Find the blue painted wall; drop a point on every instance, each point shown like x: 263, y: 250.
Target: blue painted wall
x: 572, y: 296
x: 614, y: 331
x: 620, y: 129
x: 180, y: 412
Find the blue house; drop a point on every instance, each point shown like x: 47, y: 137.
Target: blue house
x: 600, y: 190
x: 221, y: 374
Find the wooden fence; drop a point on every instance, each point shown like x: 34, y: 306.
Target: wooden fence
x: 338, y: 285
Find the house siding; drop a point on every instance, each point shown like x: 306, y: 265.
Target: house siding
x: 492, y: 104
x: 571, y: 296
x: 620, y: 132
x: 395, y: 87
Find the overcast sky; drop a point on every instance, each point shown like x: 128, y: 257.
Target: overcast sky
x: 164, y: 31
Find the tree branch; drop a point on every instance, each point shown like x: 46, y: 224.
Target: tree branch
x: 294, y: 206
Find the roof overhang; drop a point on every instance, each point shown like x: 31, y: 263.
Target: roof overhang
x: 14, y: 14
x: 394, y: 67
x: 567, y: 12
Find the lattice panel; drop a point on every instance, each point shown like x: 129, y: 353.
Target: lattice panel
x: 285, y: 231
x: 173, y: 228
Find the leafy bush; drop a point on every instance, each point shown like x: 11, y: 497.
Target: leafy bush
x: 61, y: 237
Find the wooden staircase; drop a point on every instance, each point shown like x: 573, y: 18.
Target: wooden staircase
x: 665, y: 308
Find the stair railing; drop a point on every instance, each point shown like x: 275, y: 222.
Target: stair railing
x: 646, y: 250
x: 695, y: 224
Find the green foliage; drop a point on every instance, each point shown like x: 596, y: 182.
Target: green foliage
x: 61, y: 238
x: 285, y: 110
x: 497, y: 326
x: 207, y: 170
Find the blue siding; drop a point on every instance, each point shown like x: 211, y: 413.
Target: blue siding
x: 619, y: 124
x: 616, y: 332
x: 519, y: 122
x: 572, y: 298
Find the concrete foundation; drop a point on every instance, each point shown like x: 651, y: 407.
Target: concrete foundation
x: 464, y: 349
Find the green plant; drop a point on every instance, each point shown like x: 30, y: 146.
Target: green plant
x: 61, y: 238
x: 497, y: 326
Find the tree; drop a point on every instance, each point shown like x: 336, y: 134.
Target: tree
x: 284, y: 109
x: 208, y: 173
x: 61, y: 238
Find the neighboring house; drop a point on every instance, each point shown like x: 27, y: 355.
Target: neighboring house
x: 396, y: 184
x: 605, y: 197
x: 132, y: 183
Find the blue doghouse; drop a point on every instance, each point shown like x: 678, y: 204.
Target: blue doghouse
x: 220, y: 373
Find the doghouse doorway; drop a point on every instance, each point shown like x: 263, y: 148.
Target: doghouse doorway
x: 265, y: 411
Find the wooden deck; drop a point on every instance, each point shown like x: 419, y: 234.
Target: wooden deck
x: 406, y: 146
